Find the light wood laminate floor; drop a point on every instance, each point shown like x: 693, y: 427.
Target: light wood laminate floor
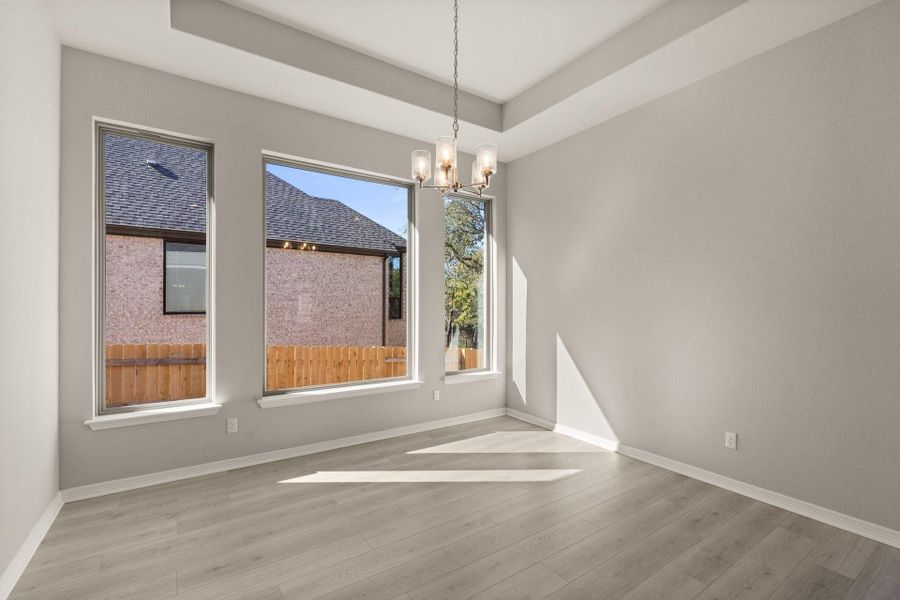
x: 488, y: 510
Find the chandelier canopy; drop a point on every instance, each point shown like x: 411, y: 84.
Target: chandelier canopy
x: 446, y: 171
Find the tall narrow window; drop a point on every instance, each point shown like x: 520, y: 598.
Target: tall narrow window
x: 336, y: 250
x: 466, y: 283
x: 395, y: 287
x: 154, y: 192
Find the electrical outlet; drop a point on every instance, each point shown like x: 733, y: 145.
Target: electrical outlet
x: 731, y: 440
x: 437, y: 395
x: 231, y: 425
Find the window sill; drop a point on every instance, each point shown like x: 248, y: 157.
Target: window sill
x: 156, y: 415
x: 319, y: 395
x: 470, y: 377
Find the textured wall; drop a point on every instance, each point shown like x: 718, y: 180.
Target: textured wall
x: 29, y: 260
x: 312, y: 298
x: 134, y: 296
x: 323, y: 298
x: 395, y: 329
x: 729, y: 260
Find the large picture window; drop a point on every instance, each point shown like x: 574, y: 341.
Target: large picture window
x: 336, y: 266
x: 154, y: 191
x: 467, y: 279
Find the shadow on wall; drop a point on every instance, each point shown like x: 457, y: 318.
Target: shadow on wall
x: 519, y: 300
x: 576, y: 405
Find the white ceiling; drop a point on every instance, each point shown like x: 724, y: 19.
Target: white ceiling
x: 506, y: 46
x: 514, y: 43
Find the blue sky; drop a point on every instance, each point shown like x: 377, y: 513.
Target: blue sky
x: 383, y: 203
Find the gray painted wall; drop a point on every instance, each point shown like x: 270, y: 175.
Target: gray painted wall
x: 728, y: 258
x: 241, y: 127
x: 29, y: 211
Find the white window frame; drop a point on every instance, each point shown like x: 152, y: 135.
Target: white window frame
x: 332, y: 391
x: 106, y: 417
x: 489, y: 370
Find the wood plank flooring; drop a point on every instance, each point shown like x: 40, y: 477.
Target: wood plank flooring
x: 491, y: 510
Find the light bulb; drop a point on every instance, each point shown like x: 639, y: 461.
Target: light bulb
x: 445, y: 153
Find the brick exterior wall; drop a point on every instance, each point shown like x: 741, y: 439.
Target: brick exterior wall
x: 134, y: 296
x: 395, y: 329
x: 313, y: 298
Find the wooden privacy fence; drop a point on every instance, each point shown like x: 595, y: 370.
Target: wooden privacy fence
x: 460, y: 359
x: 141, y: 373
x: 300, y: 366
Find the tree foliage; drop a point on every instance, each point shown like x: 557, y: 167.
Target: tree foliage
x: 464, y: 246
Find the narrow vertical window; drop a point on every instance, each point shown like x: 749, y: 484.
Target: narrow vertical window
x: 466, y: 283
x: 395, y: 287
x: 154, y: 193
x: 336, y: 275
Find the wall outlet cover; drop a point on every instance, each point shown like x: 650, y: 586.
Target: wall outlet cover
x: 731, y: 440
x: 231, y: 425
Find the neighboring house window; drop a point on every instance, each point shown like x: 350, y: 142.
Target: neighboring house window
x: 395, y: 287
x: 153, y: 192
x: 185, y: 270
x: 335, y: 277
x: 467, y: 283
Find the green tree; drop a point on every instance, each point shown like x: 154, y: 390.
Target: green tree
x: 464, y: 245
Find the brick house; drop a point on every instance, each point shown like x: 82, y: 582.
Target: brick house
x: 329, y: 268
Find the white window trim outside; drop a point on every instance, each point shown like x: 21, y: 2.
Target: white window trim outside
x: 337, y: 391
x: 491, y: 368
x: 104, y: 418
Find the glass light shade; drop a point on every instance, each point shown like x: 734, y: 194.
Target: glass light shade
x: 486, y: 155
x: 477, y: 175
x: 444, y: 178
x: 444, y: 153
x: 421, y: 165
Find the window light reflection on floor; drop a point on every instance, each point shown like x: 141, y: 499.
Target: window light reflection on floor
x: 460, y: 476
x: 513, y: 442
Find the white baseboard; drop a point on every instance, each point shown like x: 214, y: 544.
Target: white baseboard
x: 14, y: 570
x: 866, y: 529
x: 522, y: 416
x: 801, y: 507
x: 131, y: 483
x: 590, y: 438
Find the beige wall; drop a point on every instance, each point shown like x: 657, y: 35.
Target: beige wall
x: 29, y: 220
x: 241, y: 127
x: 727, y: 258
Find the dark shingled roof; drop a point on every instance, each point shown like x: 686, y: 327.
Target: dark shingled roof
x: 155, y: 185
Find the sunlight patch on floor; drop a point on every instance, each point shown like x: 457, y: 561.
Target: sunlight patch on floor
x: 512, y: 442
x: 461, y: 476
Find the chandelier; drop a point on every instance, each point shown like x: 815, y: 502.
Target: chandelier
x: 446, y: 172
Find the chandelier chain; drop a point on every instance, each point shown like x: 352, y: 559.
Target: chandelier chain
x: 455, y: 69
x: 446, y: 177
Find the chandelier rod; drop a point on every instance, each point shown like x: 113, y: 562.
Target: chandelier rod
x: 455, y: 69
